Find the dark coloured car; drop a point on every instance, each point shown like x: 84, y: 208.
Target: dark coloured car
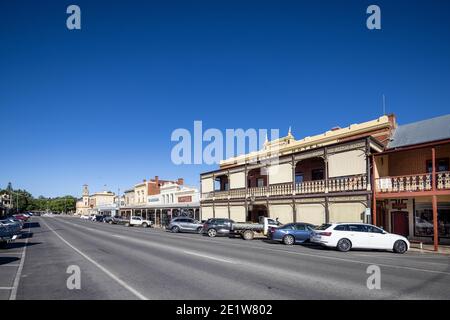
x: 115, y: 220
x: 8, y: 233
x: 109, y: 219
x: 291, y: 233
x: 217, y: 226
x: 99, y: 218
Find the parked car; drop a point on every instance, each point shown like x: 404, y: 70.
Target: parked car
x: 346, y: 236
x: 138, y: 221
x: 14, y: 225
x: 216, y: 226
x: 115, y: 220
x: 19, y: 222
x: 21, y: 217
x: 84, y: 217
x: 291, y: 233
x: 184, y: 224
x: 248, y: 230
x: 108, y: 219
x: 99, y: 218
x: 7, y: 234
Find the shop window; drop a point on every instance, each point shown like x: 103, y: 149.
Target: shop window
x: 423, y: 220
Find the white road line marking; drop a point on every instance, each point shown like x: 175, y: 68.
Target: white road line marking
x: 109, y: 273
x: 209, y: 257
x: 16, y: 282
x: 10, y: 265
x: 6, y: 288
x: 292, y: 252
x: 375, y: 263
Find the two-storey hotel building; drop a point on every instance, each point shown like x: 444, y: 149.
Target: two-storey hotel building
x: 317, y: 179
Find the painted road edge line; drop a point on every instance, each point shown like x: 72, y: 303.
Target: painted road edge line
x: 16, y: 282
x: 106, y: 271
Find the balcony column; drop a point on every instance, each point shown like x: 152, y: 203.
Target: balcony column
x: 435, y: 224
x: 373, y: 194
x: 228, y: 177
x: 368, y: 167
x: 325, y: 161
x: 294, y: 209
x: 434, y: 201
x: 267, y: 191
x: 246, y: 191
x: 214, y: 196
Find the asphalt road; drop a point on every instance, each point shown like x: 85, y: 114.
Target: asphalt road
x: 118, y: 262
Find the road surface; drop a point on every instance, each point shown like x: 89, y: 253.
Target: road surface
x: 118, y: 262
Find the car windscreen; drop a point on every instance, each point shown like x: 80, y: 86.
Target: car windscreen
x: 324, y: 226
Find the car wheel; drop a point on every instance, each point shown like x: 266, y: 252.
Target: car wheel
x: 110, y: 222
x: 175, y: 229
x: 145, y: 225
x: 400, y: 246
x: 212, y: 233
x: 199, y: 229
x: 127, y: 224
x: 344, y: 245
x: 248, y: 235
x: 288, y: 240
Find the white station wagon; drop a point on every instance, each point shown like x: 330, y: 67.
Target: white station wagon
x: 345, y: 236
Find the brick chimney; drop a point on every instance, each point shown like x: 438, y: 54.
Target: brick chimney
x: 180, y: 181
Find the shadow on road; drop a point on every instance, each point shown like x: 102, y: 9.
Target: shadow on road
x: 17, y: 245
x: 6, y: 260
x: 28, y: 225
x: 26, y: 235
x: 308, y: 245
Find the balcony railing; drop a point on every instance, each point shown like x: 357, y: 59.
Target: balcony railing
x: 443, y: 180
x: 342, y: 184
x: 354, y: 183
x: 413, y: 183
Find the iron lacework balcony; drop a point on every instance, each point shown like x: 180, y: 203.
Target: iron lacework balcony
x: 332, y: 185
x: 412, y: 183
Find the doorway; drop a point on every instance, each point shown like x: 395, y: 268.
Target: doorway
x: 400, y: 223
x: 256, y: 211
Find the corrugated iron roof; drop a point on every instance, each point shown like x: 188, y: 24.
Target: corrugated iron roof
x: 424, y: 131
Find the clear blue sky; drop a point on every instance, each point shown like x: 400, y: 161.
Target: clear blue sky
x: 98, y: 106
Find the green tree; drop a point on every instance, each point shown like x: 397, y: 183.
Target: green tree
x: 22, y: 201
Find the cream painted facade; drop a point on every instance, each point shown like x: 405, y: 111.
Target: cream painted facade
x: 324, y: 178
x: 173, y: 193
x: 99, y: 202
x: 129, y: 197
x: 82, y: 205
x: 140, y: 193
